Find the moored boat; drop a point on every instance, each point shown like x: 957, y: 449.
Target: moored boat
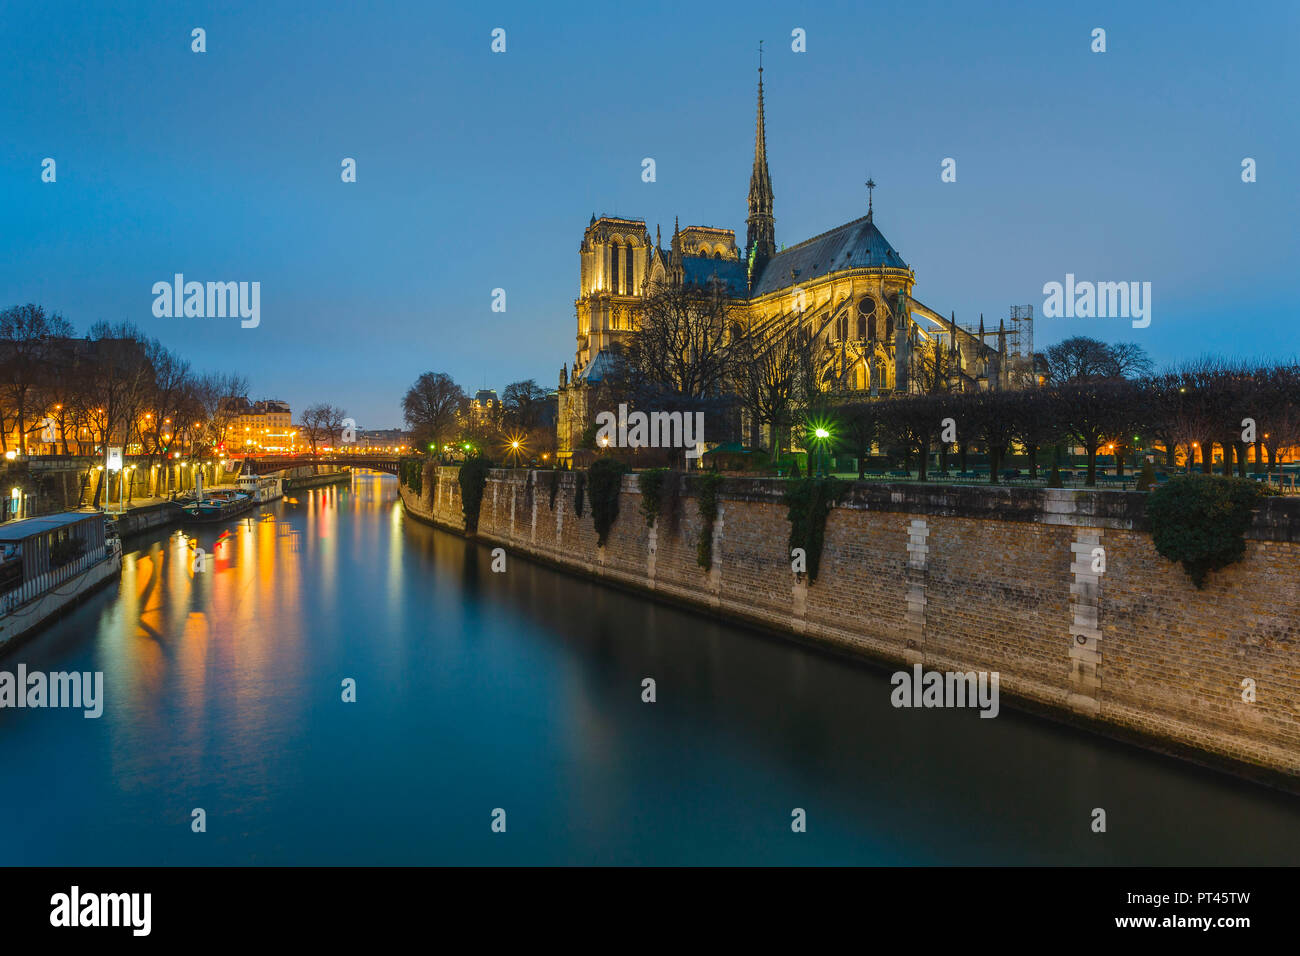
x: 49, y: 563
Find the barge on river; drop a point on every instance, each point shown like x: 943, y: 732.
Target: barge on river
x: 50, y: 563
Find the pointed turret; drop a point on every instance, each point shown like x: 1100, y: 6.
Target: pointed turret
x: 902, y: 343
x: 760, y: 236
x: 675, y: 269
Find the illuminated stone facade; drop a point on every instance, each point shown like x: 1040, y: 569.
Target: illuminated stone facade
x: 847, y: 289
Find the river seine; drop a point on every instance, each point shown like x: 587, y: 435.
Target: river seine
x: 522, y: 692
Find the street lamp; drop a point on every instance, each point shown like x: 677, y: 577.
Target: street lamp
x: 821, y: 434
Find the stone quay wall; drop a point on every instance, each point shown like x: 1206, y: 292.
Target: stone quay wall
x: 967, y: 578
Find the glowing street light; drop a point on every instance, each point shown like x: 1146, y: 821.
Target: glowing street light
x: 821, y: 435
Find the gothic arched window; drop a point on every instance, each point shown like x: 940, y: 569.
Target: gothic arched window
x: 843, y: 330
x: 866, y: 317
x: 613, y: 268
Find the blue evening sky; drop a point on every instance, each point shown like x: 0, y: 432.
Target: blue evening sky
x: 479, y: 170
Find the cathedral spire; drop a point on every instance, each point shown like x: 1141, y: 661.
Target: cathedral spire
x: 675, y: 267
x: 760, y: 238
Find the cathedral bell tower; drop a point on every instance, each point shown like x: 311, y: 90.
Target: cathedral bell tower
x: 760, y: 236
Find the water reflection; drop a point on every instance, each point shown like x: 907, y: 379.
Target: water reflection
x: 523, y: 690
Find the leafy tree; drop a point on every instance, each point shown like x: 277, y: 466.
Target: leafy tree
x: 1201, y: 521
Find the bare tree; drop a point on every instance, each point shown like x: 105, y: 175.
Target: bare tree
x: 1094, y: 413
x: 313, y: 422
x: 120, y: 380
x: 332, y: 422
x: 862, y: 423
x: 25, y: 351
x: 911, y: 422
x: 1127, y: 360
x: 687, y: 340
x: 1084, y: 359
x: 172, y: 385
x: 1035, y: 422
x: 1278, y: 427
x: 932, y: 367
x: 217, y: 398
x: 432, y: 408
x: 1077, y: 359
x: 767, y: 376
x: 523, y: 404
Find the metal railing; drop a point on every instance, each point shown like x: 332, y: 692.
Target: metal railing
x: 44, y: 584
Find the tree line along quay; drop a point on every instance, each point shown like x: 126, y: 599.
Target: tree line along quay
x: 1099, y: 415
x: 116, y: 404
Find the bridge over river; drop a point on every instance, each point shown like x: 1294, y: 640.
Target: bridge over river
x: 269, y: 464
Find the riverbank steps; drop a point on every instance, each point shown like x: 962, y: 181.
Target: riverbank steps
x: 969, y: 578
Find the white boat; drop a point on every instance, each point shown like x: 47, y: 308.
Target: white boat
x: 47, y: 564
x: 261, y: 488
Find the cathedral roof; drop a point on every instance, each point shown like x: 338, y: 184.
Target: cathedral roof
x: 700, y: 270
x: 854, y: 245
x: 600, y: 366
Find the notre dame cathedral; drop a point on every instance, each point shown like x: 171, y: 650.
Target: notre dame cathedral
x: 847, y: 289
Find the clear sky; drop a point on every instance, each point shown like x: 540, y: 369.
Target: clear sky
x: 478, y: 170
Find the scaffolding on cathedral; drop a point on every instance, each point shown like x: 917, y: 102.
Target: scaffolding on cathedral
x: 1020, y: 340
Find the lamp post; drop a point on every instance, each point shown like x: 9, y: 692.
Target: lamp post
x: 822, y: 435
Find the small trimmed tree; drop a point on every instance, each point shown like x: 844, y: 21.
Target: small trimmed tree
x: 1201, y: 521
